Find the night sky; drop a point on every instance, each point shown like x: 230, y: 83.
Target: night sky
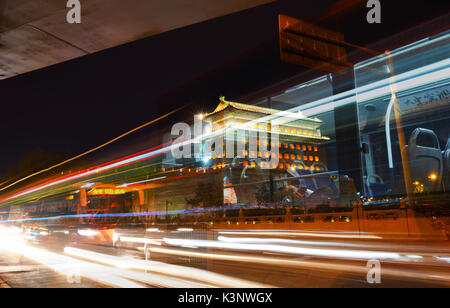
x: 71, y: 107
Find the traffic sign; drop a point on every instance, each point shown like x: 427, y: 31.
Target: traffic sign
x: 308, y: 45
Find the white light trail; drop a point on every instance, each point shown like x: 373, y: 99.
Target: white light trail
x: 402, y: 273
x: 141, y: 182
x: 248, y: 240
x: 88, y: 233
x: 327, y: 253
x: 305, y: 234
x: 139, y: 240
x: 177, y: 276
x: 67, y: 266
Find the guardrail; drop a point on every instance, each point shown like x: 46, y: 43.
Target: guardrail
x: 395, y: 222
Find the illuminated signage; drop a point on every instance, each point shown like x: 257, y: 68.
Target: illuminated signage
x: 107, y: 191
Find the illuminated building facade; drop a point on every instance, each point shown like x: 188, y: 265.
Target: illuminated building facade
x: 299, y: 137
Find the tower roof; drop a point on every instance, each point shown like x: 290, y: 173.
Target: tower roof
x: 224, y: 104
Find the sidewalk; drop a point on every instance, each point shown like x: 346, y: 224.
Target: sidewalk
x: 24, y: 273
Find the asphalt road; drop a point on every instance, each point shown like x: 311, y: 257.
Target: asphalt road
x: 230, y: 261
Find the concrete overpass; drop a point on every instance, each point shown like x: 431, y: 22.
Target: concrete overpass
x: 35, y: 34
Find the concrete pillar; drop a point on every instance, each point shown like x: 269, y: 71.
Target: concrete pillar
x: 83, y: 201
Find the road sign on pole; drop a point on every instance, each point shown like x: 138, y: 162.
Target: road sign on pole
x: 308, y: 45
